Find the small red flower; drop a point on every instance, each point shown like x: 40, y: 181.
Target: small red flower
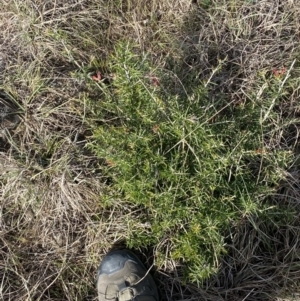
x: 279, y: 72
x: 155, y: 81
x: 96, y: 76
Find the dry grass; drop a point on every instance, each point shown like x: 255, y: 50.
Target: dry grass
x: 53, y: 228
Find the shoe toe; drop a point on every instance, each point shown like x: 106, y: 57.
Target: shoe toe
x: 120, y: 275
x: 114, y: 261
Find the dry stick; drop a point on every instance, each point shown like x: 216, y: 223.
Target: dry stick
x: 144, y: 276
x: 279, y: 90
x: 248, y: 295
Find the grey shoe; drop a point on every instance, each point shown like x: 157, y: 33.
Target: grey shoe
x: 122, y: 277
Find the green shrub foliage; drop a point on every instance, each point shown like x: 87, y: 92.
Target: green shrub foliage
x: 193, y: 163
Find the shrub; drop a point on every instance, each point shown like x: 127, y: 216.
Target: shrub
x: 195, y: 164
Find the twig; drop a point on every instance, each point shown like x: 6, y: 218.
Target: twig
x: 279, y: 90
x: 145, y: 275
